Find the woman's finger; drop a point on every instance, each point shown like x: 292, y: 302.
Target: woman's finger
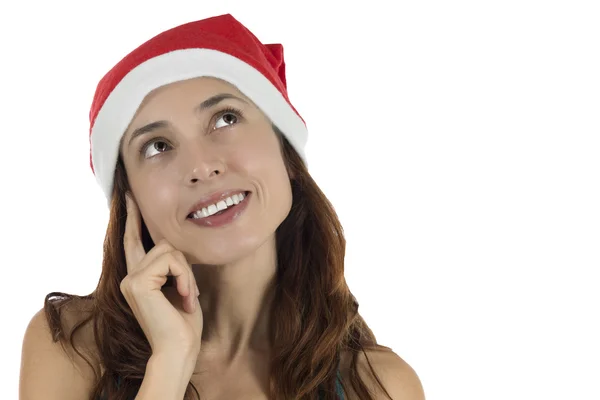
x: 193, y: 287
x: 132, y: 242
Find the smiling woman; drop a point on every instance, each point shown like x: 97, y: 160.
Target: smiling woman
x: 223, y: 270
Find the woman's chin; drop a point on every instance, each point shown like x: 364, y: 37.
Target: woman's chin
x: 212, y: 259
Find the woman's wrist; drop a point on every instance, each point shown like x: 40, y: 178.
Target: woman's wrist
x: 167, y: 376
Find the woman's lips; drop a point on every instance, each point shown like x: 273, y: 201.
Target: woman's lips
x: 228, y: 215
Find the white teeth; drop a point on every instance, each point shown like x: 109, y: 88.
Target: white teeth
x: 212, y: 209
x: 221, y: 205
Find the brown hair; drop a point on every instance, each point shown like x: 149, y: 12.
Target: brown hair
x: 315, y: 315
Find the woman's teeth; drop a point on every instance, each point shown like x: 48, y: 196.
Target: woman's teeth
x: 220, y: 206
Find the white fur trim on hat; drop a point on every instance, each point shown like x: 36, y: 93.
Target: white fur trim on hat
x: 122, y: 103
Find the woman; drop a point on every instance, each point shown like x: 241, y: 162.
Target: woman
x: 223, y: 265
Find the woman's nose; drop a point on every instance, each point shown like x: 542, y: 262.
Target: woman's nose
x: 201, y: 165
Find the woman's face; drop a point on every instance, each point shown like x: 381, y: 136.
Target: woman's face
x: 200, y: 151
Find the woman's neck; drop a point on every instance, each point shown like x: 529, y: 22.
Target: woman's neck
x: 236, y: 303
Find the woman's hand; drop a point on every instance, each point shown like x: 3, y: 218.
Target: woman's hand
x: 171, y: 318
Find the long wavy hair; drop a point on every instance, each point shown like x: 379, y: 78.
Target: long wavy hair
x: 315, y: 316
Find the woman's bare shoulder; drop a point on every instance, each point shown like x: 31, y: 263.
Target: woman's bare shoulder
x: 397, y: 376
x: 50, y: 369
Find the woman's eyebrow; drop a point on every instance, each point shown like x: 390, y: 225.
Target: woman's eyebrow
x: 205, y: 105
x: 216, y: 99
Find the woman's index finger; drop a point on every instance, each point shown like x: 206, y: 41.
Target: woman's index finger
x: 132, y: 242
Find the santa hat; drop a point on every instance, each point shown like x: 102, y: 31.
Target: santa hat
x: 219, y: 47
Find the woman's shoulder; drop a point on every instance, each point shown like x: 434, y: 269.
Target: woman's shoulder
x: 397, y: 376
x: 53, y: 367
x: 74, y: 317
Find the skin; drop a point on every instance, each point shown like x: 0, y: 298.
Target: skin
x: 199, y: 153
x: 233, y: 265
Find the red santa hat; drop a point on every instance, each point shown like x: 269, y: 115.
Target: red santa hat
x: 219, y: 47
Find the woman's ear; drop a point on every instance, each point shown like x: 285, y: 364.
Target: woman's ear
x: 290, y: 172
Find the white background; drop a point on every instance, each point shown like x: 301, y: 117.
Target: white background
x: 459, y: 142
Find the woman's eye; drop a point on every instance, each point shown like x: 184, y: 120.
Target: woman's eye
x: 157, y: 145
x: 229, y: 118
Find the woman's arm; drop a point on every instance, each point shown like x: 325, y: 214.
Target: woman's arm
x: 166, y: 377
x: 47, y: 371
